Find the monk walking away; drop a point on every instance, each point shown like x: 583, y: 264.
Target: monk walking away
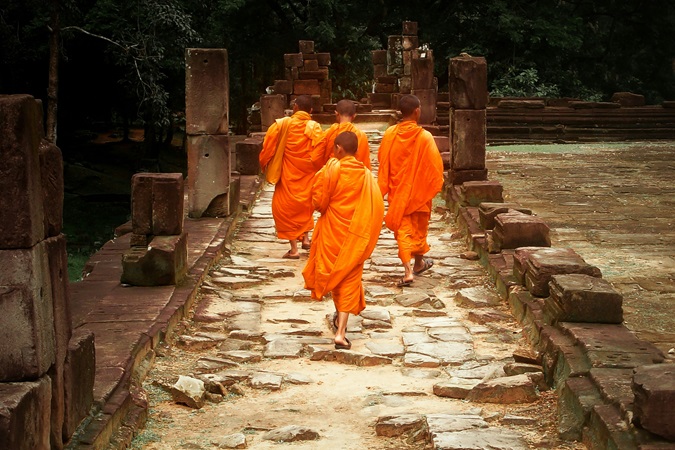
x: 286, y: 158
x: 345, y: 113
x: 410, y: 175
x: 351, y: 207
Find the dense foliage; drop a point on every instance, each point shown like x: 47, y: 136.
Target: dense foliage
x: 122, y: 60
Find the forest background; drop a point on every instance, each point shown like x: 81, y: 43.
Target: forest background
x: 116, y: 69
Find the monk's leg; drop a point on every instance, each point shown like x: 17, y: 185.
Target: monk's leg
x: 306, y: 243
x: 340, y: 334
x: 404, y: 239
x: 294, y: 247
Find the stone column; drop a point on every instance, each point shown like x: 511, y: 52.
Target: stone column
x: 35, y: 324
x: 468, y: 101
x: 207, y: 125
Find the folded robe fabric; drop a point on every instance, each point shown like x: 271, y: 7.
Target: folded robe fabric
x: 351, y: 207
x: 326, y: 147
x: 410, y: 172
x: 292, y: 203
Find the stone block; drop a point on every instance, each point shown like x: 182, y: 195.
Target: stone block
x: 473, y: 193
x: 306, y: 87
x: 443, y: 143
x: 57, y: 261
x: 313, y: 74
x: 293, y: 60
x: 306, y: 46
x: 468, y: 82
x: 505, y: 390
x: 384, y: 88
x: 428, y: 105
x: 422, y: 73
x: 405, y: 85
x: 487, y: 212
x: 541, y: 266
x: 22, y: 223
x: 654, y: 389
x: 209, y: 170
x: 235, y: 193
x: 24, y: 415
x: 410, y: 42
x: 247, y: 152
x: 583, y: 298
x: 164, y: 262
x: 379, y: 70
x: 445, y: 156
x: 207, y: 90
x: 272, y: 107
x: 380, y: 101
x: 310, y: 65
x: 57, y: 409
x: 51, y: 174
x: 379, y: 57
x: 515, y: 229
x: 283, y: 87
x: 394, y: 55
x: 468, y: 139
x: 409, y: 28
x: 139, y: 240
x: 78, y: 380
x: 459, y: 176
x: 326, y: 92
x: 157, y: 203
x: 27, y: 320
x: 291, y: 73
x: 323, y: 59
x: 628, y: 99
x: 577, y: 397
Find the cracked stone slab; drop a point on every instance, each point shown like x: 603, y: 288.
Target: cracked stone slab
x: 400, y: 425
x: 386, y: 348
x: 456, y: 388
x: 265, y: 380
x: 477, y: 297
x: 416, y: 337
x: 451, y: 334
x: 297, y: 378
x: 413, y: 298
x: 241, y: 356
x: 283, y: 348
x: 448, y: 423
x: 237, y: 440
x: 505, y: 390
x: 380, y: 314
x: 412, y: 359
x: 235, y: 282
x: 445, y: 352
x: 479, y: 439
x: 213, y: 363
x: 291, y: 433
x: 347, y: 357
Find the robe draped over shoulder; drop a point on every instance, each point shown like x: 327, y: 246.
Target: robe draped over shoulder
x: 351, y: 207
x: 291, y: 204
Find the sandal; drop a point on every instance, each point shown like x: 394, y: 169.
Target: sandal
x: 288, y: 255
x: 402, y: 282
x: 428, y: 264
x: 343, y: 346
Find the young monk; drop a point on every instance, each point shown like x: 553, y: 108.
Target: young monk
x: 345, y: 112
x: 296, y: 137
x: 351, y: 207
x: 411, y: 174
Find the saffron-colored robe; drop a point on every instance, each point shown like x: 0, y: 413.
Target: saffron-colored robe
x: 351, y: 207
x: 292, y: 201
x: 326, y: 147
x: 410, y: 174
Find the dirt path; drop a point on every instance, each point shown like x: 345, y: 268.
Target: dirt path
x: 255, y: 331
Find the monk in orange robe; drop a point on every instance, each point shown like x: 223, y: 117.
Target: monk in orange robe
x: 410, y: 175
x: 351, y: 207
x: 295, y: 137
x: 345, y: 112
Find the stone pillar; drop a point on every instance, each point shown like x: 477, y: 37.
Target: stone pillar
x: 158, y: 254
x: 207, y: 126
x: 468, y: 101
x: 35, y: 324
x: 272, y: 107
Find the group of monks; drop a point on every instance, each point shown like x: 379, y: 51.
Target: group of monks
x: 330, y: 172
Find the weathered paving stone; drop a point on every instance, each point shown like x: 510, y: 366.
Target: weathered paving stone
x: 235, y: 282
x: 375, y: 324
x: 505, y: 390
x: 476, y: 297
x: 654, y: 388
x: 401, y: 425
x: 189, y: 391
x: 483, y: 317
x: 217, y: 337
x: 351, y: 358
x: 244, y: 335
x: 476, y: 370
x: 237, y: 440
x: 520, y: 368
x: 379, y: 314
x: 241, y: 356
x: 445, y: 352
x: 416, y: 337
x: 449, y: 423
x: 385, y: 348
x: 438, y: 322
x: 420, y: 374
x: 479, y: 439
x: 283, y: 348
x: 297, y: 378
x: 212, y: 363
x: 413, y: 299
x: 412, y: 359
x: 510, y: 419
x: 291, y: 433
x: 451, y: 334
x: 422, y: 312
x: 195, y: 343
x: 302, y: 295
x: 457, y: 388
x: 378, y: 291
x: 265, y: 380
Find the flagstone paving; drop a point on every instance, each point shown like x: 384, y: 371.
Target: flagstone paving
x: 261, y: 355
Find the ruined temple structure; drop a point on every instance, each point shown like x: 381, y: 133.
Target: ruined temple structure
x: 46, y: 368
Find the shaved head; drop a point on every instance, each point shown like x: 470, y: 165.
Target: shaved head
x: 346, y: 108
x: 408, y: 104
x: 304, y: 103
x: 348, y: 141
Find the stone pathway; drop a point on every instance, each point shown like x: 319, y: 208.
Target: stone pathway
x: 441, y: 364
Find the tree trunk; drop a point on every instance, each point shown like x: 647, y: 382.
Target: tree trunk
x: 53, y: 84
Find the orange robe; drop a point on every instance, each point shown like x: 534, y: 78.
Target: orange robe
x: 292, y: 201
x: 351, y: 207
x: 411, y: 174
x: 326, y: 147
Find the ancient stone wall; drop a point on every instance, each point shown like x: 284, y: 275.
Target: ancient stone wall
x: 46, y: 370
